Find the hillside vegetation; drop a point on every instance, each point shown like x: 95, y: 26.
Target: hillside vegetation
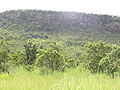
x: 27, y: 24
x: 50, y: 46
x: 38, y: 20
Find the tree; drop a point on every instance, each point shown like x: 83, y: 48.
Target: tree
x: 95, y: 52
x: 50, y: 58
x: 17, y: 57
x: 30, y: 51
x: 111, y: 63
x: 4, y: 56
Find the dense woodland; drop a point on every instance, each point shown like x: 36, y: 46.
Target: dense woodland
x: 55, y: 41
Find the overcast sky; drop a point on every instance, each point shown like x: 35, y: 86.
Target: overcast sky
x: 111, y: 7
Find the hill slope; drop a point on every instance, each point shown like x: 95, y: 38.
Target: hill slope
x: 68, y: 26
x: 50, y: 21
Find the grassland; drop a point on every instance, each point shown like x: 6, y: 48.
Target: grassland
x: 72, y: 79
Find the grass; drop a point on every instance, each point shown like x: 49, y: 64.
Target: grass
x: 73, y: 79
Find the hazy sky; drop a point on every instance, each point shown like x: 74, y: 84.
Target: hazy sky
x: 111, y: 7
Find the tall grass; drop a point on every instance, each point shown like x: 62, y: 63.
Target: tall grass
x: 73, y: 79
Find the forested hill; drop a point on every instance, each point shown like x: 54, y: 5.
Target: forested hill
x: 38, y: 20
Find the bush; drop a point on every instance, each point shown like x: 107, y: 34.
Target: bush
x: 72, y: 62
x: 4, y: 57
x: 30, y: 51
x: 95, y: 52
x: 111, y: 63
x: 50, y: 58
x: 17, y: 58
x: 103, y: 58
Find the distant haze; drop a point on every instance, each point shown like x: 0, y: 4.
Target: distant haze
x: 110, y: 7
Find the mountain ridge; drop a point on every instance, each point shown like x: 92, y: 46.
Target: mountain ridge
x: 39, y: 20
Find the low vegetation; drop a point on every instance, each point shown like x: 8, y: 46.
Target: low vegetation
x: 72, y: 79
x: 99, y: 58
x: 77, y: 53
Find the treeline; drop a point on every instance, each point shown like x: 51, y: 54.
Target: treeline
x: 96, y: 57
x: 38, y: 20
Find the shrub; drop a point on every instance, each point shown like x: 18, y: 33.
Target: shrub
x: 17, y: 58
x: 95, y: 52
x: 30, y: 51
x: 111, y: 63
x: 103, y: 58
x: 72, y: 62
x: 50, y: 58
x: 4, y: 56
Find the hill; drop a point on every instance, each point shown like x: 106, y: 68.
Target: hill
x: 51, y: 49
x: 32, y: 20
x: 70, y: 27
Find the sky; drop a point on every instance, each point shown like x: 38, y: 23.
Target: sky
x: 110, y: 7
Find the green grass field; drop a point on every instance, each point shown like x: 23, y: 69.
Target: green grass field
x: 73, y: 79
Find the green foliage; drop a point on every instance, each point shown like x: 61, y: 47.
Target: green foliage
x: 4, y: 56
x: 72, y: 62
x: 70, y: 29
x: 51, y: 21
x: 50, y: 58
x: 30, y: 51
x: 103, y: 58
x: 111, y: 63
x: 17, y: 58
x: 95, y: 52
